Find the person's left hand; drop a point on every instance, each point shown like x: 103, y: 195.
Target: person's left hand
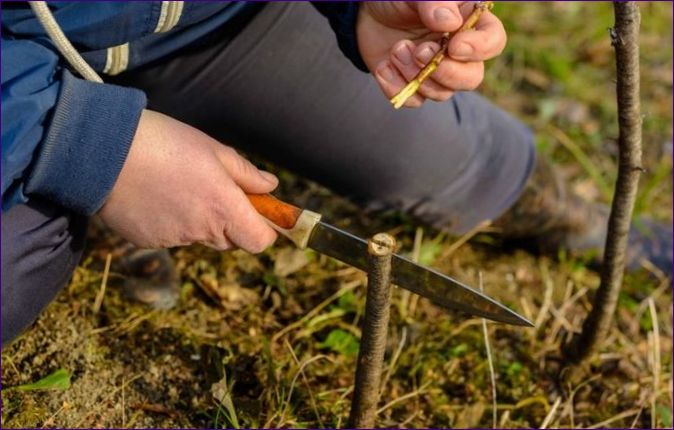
x: 397, y: 38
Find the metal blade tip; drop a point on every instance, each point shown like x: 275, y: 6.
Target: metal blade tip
x: 514, y: 318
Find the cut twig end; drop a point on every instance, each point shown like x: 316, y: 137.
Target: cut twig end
x: 381, y: 244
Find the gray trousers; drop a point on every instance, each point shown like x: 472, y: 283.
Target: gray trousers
x: 280, y: 88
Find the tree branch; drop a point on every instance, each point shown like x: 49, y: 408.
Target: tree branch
x: 625, y: 40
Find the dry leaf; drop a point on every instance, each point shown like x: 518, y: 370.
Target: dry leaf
x: 234, y: 297
x: 229, y: 295
x: 289, y: 261
x: 471, y: 416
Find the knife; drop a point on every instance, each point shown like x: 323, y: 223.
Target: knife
x: 305, y: 229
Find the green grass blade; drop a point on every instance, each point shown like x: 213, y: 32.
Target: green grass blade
x: 59, y: 380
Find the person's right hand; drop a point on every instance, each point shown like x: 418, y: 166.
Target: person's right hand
x: 179, y: 186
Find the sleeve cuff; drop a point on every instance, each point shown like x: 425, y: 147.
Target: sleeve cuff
x: 342, y: 16
x: 86, y: 143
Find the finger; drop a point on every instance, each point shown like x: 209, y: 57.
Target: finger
x: 218, y: 243
x: 409, y: 67
x: 245, y: 174
x: 391, y: 82
x: 451, y: 74
x: 239, y: 223
x: 402, y: 57
x: 439, y: 16
x: 487, y: 40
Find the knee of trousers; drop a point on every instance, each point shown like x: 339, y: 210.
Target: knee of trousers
x: 465, y: 171
x: 41, y: 246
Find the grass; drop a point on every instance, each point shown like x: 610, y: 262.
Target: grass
x: 286, y: 345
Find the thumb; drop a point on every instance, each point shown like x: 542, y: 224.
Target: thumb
x: 244, y: 173
x: 440, y: 16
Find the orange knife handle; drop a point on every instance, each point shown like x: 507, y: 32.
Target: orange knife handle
x: 294, y: 223
x: 280, y: 213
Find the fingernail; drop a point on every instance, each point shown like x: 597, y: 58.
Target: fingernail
x: 404, y: 54
x: 269, y: 177
x: 386, y: 72
x: 463, y: 50
x: 442, y: 14
x: 425, y: 54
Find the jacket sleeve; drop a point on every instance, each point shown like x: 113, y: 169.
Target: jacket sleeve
x: 342, y: 16
x: 63, y: 138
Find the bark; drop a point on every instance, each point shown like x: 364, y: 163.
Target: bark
x: 625, y: 40
x: 375, y: 327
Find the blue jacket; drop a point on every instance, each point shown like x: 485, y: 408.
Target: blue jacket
x: 66, y: 139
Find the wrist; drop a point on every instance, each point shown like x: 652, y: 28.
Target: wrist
x: 342, y: 17
x: 84, y: 149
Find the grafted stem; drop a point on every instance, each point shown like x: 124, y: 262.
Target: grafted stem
x: 375, y: 327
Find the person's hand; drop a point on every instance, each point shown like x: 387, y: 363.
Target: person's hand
x: 396, y: 39
x: 179, y: 186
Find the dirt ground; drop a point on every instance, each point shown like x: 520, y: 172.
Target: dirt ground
x: 282, y: 342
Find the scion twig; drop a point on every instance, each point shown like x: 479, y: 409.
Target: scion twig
x: 625, y: 40
x: 413, y: 86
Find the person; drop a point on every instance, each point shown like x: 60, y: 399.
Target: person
x: 147, y: 149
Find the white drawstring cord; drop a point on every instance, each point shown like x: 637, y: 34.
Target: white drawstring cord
x: 62, y: 43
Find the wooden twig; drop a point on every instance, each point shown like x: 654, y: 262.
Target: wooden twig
x: 101, y: 292
x: 413, y: 86
x: 625, y: 40
x: 548, y: 418
x: 306, y: 382
x: 375, y: 327
x: 656, y: 362
x: 490, y: 361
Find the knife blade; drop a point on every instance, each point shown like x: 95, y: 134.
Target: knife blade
x: 305, y: 229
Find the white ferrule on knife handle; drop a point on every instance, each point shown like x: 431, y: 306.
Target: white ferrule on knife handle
x: 300, y: 233
x: 292, y: 222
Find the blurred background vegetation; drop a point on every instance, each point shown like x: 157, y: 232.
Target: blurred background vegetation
x: 279, y: 332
